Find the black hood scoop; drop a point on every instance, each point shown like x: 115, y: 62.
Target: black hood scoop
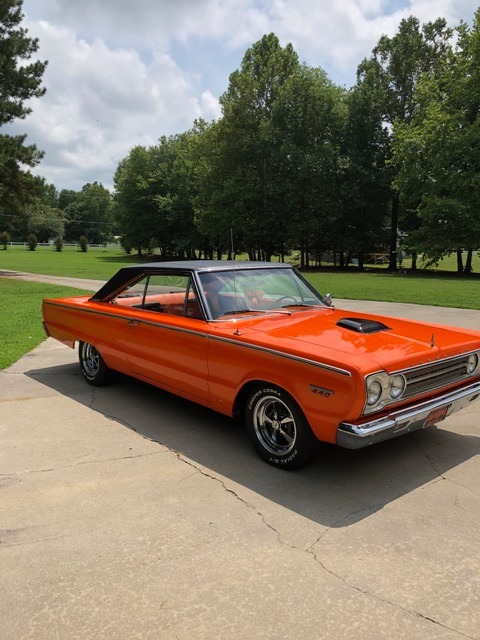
x: 360, y: 325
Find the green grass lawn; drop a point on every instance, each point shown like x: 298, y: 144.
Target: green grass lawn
x: 97, y: 263
x: 432, y: 289
x: 20, y: 320
x: 21, y: 317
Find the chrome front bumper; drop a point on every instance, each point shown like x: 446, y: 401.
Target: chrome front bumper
x: 419, y: 416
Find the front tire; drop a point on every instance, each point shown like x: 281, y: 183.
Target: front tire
x: 279, y: 431
x: 93, y: 366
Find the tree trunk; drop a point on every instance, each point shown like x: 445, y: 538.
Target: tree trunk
x: 361, y: 259
x: 414, y: 261
x: 468, y: 263
x: 392, y: 266
x: 459, y: 261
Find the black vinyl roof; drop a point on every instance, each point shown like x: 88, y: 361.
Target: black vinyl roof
x: 134, y: 272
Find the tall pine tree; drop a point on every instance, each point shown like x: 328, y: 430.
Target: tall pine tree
x: 20, y: 80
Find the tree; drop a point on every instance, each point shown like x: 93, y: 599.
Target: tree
x: 89, y: 214
x: 366, y: 180
x: 242, y: 177
x: 20, y: 81
x: 399, y: 63
x: 436, y: 153
x: 174, y: 186
x: 135, y: 208
x: 46, y: 222
x: 308, y: 118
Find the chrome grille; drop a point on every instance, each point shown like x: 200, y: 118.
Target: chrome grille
x: 435, y: 376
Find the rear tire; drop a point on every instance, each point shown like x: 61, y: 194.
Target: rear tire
x: 93, y: 366
x: 279, y: 431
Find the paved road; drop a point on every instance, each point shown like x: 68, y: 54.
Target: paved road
x: 128, y: 513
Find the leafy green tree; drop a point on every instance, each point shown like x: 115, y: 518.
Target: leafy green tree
x: 50, y: 196
x: 213, y: 219
x: 308, y: 118
x: 242, y: 178
x: 46, y: 222
x: 20, y: 80
x: 135, y: 208
x: 89, y: 213
x: 365, y: 187
x: 436, y: 153
x: 64, y: 199
x: 174, y: 185
x: 155, y: 190
x: 398, y: 63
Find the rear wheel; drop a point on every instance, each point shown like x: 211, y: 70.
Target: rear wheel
x: 93, y: 366
x: 279, y: 431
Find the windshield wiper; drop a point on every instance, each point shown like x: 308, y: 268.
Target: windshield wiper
x: 235, y: 311
x: 246, y: 310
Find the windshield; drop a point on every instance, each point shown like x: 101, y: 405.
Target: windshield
x: 261, y: 290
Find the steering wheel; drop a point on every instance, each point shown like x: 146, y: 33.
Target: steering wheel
x: 283, y: 298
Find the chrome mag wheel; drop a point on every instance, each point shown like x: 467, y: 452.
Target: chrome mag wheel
x: 278, y: 428
x: 93, y: 366
x: 90, y: 359
x: 275, y: 425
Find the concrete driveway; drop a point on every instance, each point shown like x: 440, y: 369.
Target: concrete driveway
x: 126, y: 513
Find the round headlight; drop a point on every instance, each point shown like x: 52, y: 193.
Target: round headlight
x: 397, y: 386
x: 472, y: 362
x: 374, y: 391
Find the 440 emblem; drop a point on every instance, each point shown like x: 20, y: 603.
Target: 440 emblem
x: 321, y: 391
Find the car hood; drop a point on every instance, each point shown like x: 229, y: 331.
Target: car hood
x: 401, y: 344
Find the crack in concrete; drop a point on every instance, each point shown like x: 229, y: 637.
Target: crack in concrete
x: 315, y: 556
x: 425, y: 454
x: 92, y: 397
x: 77, y: 464
x: 311, y: 552
x: 439, y: 474
x: 385, y: 600
x: 310, y: 549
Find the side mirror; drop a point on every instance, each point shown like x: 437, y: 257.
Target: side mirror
x: 329, y: 299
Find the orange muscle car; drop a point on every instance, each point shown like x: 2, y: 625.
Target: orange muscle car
x: 255, y: 339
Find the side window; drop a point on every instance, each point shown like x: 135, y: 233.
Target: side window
x: 132, y: 295
x: 161, y: 293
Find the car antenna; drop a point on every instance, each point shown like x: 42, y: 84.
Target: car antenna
x: 237, y: 331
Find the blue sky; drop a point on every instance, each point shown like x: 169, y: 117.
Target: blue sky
x: 124, y: 73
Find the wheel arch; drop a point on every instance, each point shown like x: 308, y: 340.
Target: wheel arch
x: 242, y: 394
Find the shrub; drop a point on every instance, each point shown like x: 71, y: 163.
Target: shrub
x: 32, y: 241
x: 126, y: 245
x: 4, y: 239
x: 58, y: 242
x: 83, y: 242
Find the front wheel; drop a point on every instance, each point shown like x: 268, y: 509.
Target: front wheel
x: 93, y: 366
x: 279, y: 431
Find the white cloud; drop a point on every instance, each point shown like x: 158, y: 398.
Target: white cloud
x: 101, y: 101
x: 123, y: 73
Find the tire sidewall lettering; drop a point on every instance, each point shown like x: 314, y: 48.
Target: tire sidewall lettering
x: 261, y: 392
x: 291, y: 457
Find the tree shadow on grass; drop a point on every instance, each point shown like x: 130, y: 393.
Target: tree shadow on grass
x: 130, y: 259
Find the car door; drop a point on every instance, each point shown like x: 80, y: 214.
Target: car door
x: 167, y: 338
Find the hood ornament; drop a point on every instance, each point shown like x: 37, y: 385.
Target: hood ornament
x: 432, y: 341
